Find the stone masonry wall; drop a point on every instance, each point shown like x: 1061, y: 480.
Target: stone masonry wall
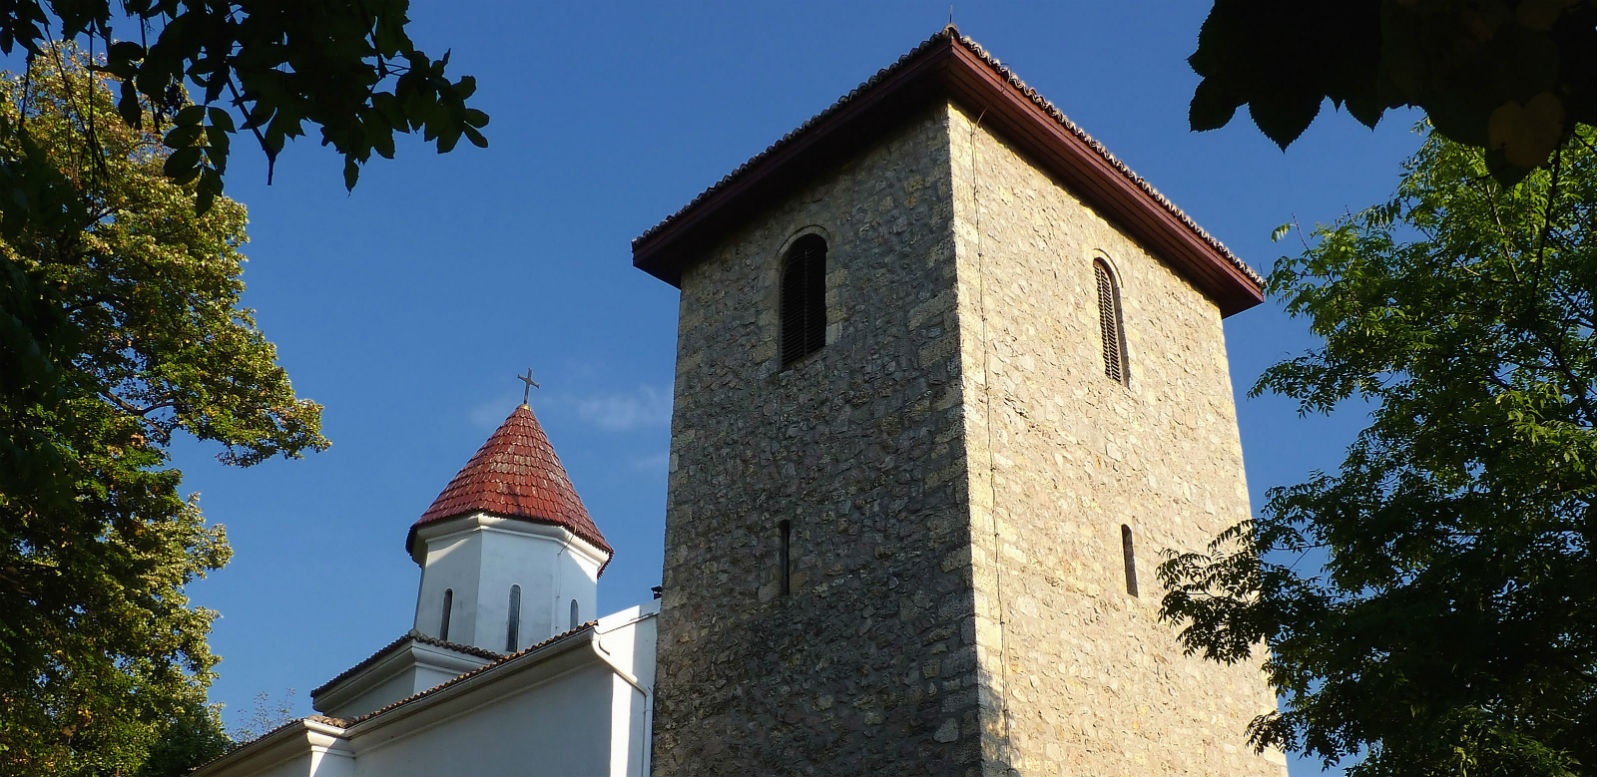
x: 869, y: 664
x: 1079, y: 676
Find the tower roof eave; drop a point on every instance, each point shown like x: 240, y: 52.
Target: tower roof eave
x: 956, y: 68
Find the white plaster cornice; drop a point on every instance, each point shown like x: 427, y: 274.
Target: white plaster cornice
x: 486, y: 523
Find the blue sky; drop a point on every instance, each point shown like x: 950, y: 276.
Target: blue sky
x: 408, y: 306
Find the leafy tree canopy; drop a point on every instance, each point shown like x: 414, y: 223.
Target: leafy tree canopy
x: 190, y: 738
x: 121, y: 328
x: 1514, y: 77
x: 1451, y: 628
x: 268, y: 67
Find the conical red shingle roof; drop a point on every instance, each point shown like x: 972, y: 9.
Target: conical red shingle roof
x: 515, y: 475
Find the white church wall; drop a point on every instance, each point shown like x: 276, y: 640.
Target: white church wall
x: 451, y: 565
x: 386, y: 692
x: 627, y: 640
x: 480, y: 557
x: 512, y: 557
x: 298, y: 766
x: 560, y: 726
x: 576, y: 579
x: 409, y: 668
x: 304, y: 748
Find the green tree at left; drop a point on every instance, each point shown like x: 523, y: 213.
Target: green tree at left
x: 101, y: 655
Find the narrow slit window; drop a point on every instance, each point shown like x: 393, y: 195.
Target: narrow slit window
x: 513, y: 618
x: 1113, y: 343
x: 783, y: 558
x: 572, y: 615
x: 444, y: 618
x: 802, y: 308
x: 1130, y: 574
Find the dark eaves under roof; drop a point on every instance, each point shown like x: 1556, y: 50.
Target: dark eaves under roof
x: 954, y: 67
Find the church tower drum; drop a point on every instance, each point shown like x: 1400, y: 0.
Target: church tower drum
x: 509, y: 555
x: 949, y: 378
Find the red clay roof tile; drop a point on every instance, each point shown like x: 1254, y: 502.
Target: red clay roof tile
x: 515, y: 475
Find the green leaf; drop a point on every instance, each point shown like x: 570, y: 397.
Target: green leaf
x: 1212, y: 107
x: 221, y: 118
x: 352, y: 171
x: 1282, y: 117
x: 125, y: 50
x: 183, y: 135
x: 183, y: 165
x: 192, y: 114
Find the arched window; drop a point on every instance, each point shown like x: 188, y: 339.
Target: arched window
x: 1113, y: 345
x: 444, y: 619
x: 802, y: 309
x: 572, y: 614
x: 513, y: 618
x: 1130, y: 575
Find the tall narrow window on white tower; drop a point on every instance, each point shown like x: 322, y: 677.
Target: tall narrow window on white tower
x: 572, y: 615
x: 444, y: 618
x: 802, y: 309
x: 1113, y: 345
x: 513, y: 618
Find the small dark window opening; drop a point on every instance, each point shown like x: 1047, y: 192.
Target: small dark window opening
x: 572, y: 614
x: 1128, y: 571
x: 514, y: 619
x: 444, y: 619
x: 1113, y: 345
x: 783, y: 558
x: 802, y: 308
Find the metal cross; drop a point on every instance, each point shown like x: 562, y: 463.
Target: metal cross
x: 529, y: 384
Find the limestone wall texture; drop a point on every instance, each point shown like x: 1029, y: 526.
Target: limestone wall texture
x: 1079, y: 676
x: 956, y: 469
x: 869, y: 664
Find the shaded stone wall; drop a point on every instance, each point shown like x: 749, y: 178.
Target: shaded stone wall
x: 869, y: 664
x: 1079, y: 676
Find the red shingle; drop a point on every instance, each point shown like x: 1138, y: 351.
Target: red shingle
x: 515, y: 475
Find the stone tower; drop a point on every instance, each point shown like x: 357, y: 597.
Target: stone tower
x: 949, y: 378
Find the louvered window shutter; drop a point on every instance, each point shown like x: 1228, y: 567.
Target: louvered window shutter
x: 1111, y: 347
x: 802, y: 310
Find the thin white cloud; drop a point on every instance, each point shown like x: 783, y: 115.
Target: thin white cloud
x: 654, y: 464
x: 638, y: 409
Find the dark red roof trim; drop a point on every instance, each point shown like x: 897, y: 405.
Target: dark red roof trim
x: 956, y: 68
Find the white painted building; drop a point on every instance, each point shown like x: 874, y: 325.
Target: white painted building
x: 505, y: 661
